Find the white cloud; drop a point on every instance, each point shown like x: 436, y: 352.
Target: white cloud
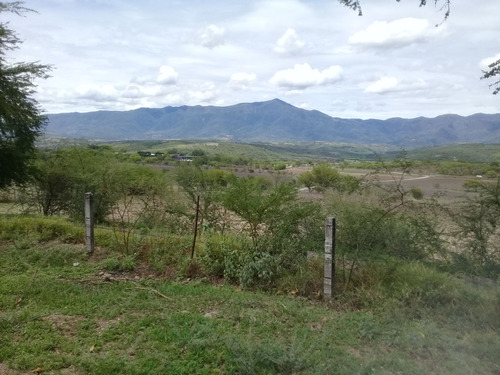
x: 383, y: 85
x: 241, y: 81
x: 489, y: 60
x: 401, y: 32
x: 207, y: 93
x: 141, y: 80
x: 212, y: 36
x: 167, y: 75
x: 302, y: 76
x: 406, y: 87
x: 96, y: 92
x: 289, y: 43
x: 172, y: 99
x: 132, y: 91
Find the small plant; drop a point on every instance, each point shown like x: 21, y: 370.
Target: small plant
x: 111, y: 264
x: 119, y: 263
x: 416, y: 193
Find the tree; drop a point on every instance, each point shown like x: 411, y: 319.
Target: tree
x: 479, y: 224
x: 356, y: 5
x: 207, y: 184
x: 258, y: 207
x: 60, y: 178
x: 323, y: 177
x: 307, y: 179
x: 20, y: 117
x: 493, y: 71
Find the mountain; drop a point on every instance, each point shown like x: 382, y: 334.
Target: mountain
x: 269, y: 121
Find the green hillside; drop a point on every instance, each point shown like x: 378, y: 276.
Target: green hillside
x: 476, y: 153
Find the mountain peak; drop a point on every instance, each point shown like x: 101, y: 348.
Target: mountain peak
x: 272, y: 120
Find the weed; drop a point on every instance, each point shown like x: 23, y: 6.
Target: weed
x: 119, y: 263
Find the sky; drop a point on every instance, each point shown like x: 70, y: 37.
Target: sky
x: 314, y: 54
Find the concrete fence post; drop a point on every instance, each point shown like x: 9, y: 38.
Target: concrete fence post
x: 329, y: 274
x: 89, y: 222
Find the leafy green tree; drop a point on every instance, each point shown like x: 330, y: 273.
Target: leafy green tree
x: 282, y: 230
x: 52, y: 187
x: 20, y: 116
x: 307, y: 179
x: 257, y: 206
x: 323, y: 177
x: 138, y: 195
x: 207, y: 184
x: 479, y: 223
x: 61, y: 178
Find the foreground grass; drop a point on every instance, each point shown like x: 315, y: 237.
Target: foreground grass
x: 60, y: 314
x: 64, y: 313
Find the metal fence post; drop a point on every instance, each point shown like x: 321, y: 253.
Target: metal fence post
x: 329, y: 274
x: 89, y: 222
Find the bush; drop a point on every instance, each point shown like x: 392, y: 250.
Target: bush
x: 40, y: 228
x: 223, y: 255
x: 168, y: 251
x: 418, y: 285
x: 367, y: 233
x: 416, y: 193
x: 120, y: 263
x: 306, y: 280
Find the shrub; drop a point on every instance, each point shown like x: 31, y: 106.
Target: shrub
x: 119, y: 263
x: 416, y: 193
x: 222, y: 255
x: 367, y: 233
x: 41, y: 228
x: 418, y: 285
x: 167, y: 251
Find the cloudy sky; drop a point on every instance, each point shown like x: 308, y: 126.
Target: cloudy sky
x: 315, y: 54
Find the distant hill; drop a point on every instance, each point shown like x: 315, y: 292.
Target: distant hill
x: 270, y: 121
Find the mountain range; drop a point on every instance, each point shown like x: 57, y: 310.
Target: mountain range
x: 271, y: 121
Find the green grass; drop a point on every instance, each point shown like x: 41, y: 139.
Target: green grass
x: 292, y: 151
x: 271, y: 152
x: 126, y: 327
x: 58, y: 313
x: 473, y: 153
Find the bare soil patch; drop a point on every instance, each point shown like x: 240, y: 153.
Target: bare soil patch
x: 67, y: 324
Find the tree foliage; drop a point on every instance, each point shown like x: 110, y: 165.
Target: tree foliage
x: 493, y: 71
x: 323, y: 177
x: 479, y: 223
x: 20, y: 116
x: 196, y: 182
x: 356, y: 5
x: 255, y: 205
x: 61, y: 178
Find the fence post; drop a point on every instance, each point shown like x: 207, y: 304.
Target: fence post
x: 89, y: 222
x: 195, y: 226
x: 329, y: 274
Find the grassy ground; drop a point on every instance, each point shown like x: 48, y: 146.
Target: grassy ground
x: 63, y: 313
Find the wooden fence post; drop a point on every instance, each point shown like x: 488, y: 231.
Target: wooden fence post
x: 89, y: 222
x: 329, y: 274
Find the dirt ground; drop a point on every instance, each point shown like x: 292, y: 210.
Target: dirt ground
x: 446, y: 189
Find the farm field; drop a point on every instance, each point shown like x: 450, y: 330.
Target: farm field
x: 446, y: 189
